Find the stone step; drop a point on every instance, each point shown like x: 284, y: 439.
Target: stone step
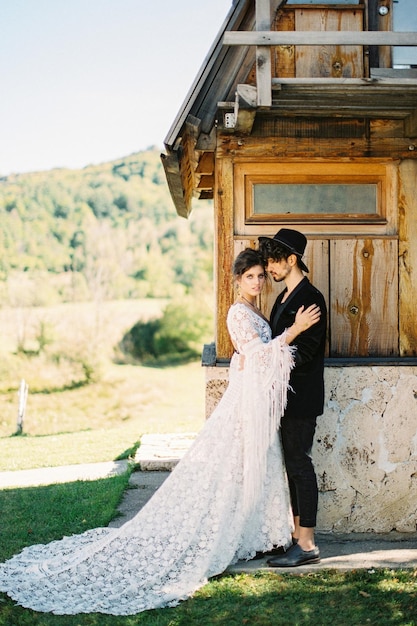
x: 163, y: 451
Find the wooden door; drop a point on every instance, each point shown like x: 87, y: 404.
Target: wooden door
x: 364, y: 298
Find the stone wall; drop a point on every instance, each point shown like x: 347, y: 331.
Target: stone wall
x: 365, y: 449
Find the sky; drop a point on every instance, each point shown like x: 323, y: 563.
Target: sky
x: 88, y: 81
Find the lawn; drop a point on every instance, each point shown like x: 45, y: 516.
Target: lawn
x: 66, y: 422
x: 325, y: 598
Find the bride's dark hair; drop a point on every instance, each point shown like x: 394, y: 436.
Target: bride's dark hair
x: 245, y: 260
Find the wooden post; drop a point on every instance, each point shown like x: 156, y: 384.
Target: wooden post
x: 263, y: 56
x: 23, y: 394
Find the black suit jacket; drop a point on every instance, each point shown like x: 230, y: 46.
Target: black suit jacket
x: 306, y: 397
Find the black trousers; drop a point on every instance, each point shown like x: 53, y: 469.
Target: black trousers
x: 297, y: 440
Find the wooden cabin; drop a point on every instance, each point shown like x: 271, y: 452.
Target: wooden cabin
x: 304, y: 115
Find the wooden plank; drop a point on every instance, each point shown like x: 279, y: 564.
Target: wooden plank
x: 319, y: 38
x: 188, y: 165
x: 395, y: 82
x: 407, y: 209
x: 385, y: 51
x: 263, y: 55
x: 386, y: 128
x: 410, y: 125
x: 263, y: 76
x: 246, y: 95
x: 206, y: 182
x: 336, y: 61
x: 364, y: 306
x: 314, y: 147
x: 207, y: 142
x: 223, y: 254
x: 173, y: 175
x: 206, y: 163
x: 263, y: 15
x: 284, y: 56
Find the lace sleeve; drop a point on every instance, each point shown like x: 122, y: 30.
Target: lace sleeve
x: 251, y: 337
x: 245, y: 328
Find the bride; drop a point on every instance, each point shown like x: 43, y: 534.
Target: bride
x: 226, y: 499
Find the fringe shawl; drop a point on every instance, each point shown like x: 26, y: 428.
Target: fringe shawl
x: 266, y: 373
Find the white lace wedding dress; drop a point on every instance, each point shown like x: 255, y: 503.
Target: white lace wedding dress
x: 225, y: 500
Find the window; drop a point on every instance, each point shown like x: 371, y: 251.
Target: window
x: 405, y: 19
x: 330, y: 193
x: 321, y: 201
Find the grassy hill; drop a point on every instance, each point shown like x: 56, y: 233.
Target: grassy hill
x: 102, y: 232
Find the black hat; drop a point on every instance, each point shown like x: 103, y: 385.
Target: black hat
x: 293, y: 240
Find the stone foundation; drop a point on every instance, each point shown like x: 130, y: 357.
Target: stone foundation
x: 365, y: 449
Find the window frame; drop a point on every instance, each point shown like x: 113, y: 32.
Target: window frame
x: 378, y: 216
x: 383, y: 174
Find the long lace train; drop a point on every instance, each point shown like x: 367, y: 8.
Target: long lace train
x: 210, y: 512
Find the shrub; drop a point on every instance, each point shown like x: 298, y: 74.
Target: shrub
x: 176, y: 337
x: 138, y: 342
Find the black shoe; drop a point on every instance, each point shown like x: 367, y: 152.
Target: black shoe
x: 295, y: 556
x: 274, y: 552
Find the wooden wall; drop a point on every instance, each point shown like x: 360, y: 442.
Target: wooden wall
x: 367, y: 279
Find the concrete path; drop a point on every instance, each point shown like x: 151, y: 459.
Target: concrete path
x: 155, y: 459
x: 64, y: 474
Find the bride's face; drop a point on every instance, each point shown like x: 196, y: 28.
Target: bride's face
x: 251, y: 282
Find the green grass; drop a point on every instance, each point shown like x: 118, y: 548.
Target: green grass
x: 358, y: 598
x: 99, y: 422
x: 42, y: 514
x: 95, y: 422
x: 384, y: 598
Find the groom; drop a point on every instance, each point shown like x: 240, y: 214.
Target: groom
x: 283, y: 254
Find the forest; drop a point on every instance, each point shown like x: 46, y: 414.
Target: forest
x: 82, y: 240
x: 106, y: 299
x: 104, y: 232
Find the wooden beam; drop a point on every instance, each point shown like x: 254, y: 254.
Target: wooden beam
x: 246, y: 95
x: 207, y: 142
x: 263, y: 55
x: 407, y: 232
x: 223, y: 253
x: 173, y: 175
x: 193, y: 126
x: 319, y: 38
x: 245, y: 108
x: 206, y: 182
x: 263, y: 15
x: 410, y: 124
x: 206, y: 163
x: 377, y: 81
